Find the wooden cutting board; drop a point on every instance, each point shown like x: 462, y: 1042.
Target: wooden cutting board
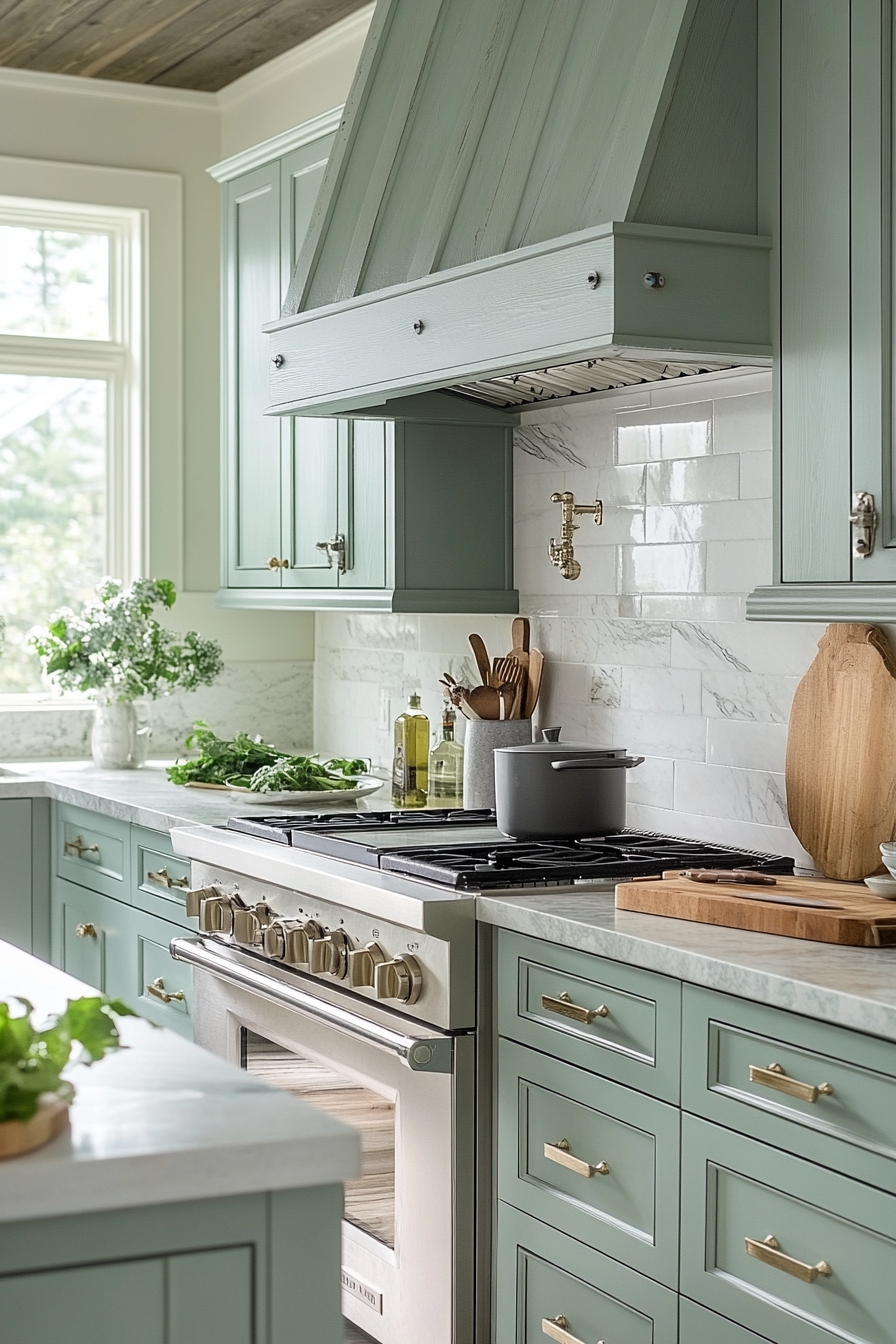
x: 855, y: 917
x: 841, y: 753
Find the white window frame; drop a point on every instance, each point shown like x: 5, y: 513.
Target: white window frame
x: 118, y: 360
x: 157, y: 501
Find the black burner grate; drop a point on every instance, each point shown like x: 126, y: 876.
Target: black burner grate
x: 282, y: 827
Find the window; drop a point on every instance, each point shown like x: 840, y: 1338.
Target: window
x: 70, y: 415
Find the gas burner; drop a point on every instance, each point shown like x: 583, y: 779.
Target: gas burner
x: 282, y: 827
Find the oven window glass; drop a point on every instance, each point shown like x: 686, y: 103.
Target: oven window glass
x: 369, y: 1200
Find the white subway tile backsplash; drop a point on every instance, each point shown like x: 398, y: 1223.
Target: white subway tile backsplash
x: 691, y: 480
x: 743, y: 424
x: 729, y: 520
x: 663, y: 569
x: 725, y: 791
x: 636, y: 643
x: 648, y: 649
x: 664, y: 432
x: 737, y: 566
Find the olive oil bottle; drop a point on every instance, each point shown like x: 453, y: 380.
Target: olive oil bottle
x: 446, y: 765
x: 411, y: 756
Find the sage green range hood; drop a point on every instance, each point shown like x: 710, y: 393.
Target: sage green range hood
x: 530, y: 199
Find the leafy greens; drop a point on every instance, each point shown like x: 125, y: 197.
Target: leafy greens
x: 31, y: 1061
x: 250, y: 763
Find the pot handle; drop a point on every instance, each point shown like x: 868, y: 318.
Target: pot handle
x: 589, y: 763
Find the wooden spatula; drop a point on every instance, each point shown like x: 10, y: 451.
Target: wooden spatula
x: 536, y: 668
x: 483, y: 662
x: 520, y: 632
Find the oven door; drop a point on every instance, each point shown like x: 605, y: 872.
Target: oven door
x: 407, y: 1244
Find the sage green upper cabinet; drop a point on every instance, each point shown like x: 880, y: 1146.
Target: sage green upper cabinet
x: 408, y: 511
x: 827, y: 161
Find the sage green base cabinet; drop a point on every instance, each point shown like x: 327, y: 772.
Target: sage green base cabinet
x: 782, y: 1225
x: 543, y: 1277
x: 116, y: 903
x: 412, y: 511
x: 25, y: 880
x: 255, y: 1269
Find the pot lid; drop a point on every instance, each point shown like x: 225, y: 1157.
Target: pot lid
x: 552, y: 746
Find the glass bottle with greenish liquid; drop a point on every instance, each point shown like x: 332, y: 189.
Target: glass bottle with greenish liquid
x: 411, y: 756
x: 446, y: 766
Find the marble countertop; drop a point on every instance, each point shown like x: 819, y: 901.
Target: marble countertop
x: 162, y: 1120
x: 144, y: 797
x: 853, y: 987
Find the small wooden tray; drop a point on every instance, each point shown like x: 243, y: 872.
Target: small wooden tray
x: 859, y: 919
x: 20, y: 1136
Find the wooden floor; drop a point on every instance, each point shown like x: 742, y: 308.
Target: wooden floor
x: 354, y: 1335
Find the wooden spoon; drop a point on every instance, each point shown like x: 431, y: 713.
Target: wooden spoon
x: 536, y: 669
x: 483, y: 662
x: 485, y: 701
x: 520, y: 631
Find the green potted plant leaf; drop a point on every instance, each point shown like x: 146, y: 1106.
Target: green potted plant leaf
x: 34, y: 1097
x: 116, y: 651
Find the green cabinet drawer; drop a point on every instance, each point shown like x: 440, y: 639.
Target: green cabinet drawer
x: 839, y: 1106
x: 696, y: 1325
x: 615, y: 1020
x: 590, y: 1298
x: 91, y: 849
x: 593, y: 1159
x: 92, y: 939
x: 163, y: 988
x: 794, y: 1252
x: 160, y: 876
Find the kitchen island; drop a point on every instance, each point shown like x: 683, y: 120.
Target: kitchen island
x: 179, y: 1204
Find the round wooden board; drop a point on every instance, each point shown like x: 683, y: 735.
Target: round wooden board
x: 21, y: 1136
x: 841, y: 752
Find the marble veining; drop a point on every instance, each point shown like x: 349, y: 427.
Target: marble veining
x: 852, y: 987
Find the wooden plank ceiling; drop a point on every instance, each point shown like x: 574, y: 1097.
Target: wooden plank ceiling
x: 185, y: 44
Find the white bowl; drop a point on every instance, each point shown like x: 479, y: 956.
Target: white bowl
x: 882, y: 886
x: 888, y: 854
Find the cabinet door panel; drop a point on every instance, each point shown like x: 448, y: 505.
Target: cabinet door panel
x: 15, y: 889
x: 252, y: 297
x: 364, y: 505
x: 301, y: 173
x: 102, y: 1304
x: 210, y: 1297
x: 311, y: 502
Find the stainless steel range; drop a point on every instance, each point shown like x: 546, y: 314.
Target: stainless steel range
x: 336, y: 957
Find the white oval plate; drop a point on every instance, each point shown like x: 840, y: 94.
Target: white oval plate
x: 304, y: 797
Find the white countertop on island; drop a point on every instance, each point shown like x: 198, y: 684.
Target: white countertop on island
x: 161, y: 1121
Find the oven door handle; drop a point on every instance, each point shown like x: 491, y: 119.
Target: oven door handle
x: 428, y: 1054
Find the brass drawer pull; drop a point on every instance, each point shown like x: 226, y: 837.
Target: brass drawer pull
x: 768, y: 1252
x: 559, y: 1152
x: 557, y: 1327
x: 564, y: 1005
x: 775, y: 1077
x: 162, y: 879
x: 79, y: 849
x: 85, y: 930
x: 158, y: 991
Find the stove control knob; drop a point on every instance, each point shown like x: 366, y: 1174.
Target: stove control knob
x: 400, y: 979
x: 249, y: 925
x: 216, y: 914
x: 287, y: 940
x: 329, y: 955
x: 362, y: 962
x: 194, y: 897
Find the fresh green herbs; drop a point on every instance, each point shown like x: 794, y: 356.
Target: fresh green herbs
x: 249, y: 763
x: 31, y: 1061
x: 116, y: 648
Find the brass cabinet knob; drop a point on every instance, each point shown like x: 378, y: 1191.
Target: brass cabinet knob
x: 400, y: 978
x: 362, y: 963
x: 158, y: 991
x: 276, y: 563
x: 85, y: 930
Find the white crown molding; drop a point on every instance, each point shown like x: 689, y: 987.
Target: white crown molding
x: 351, y: 29
x: 40, y: 81
x: 277, y: 146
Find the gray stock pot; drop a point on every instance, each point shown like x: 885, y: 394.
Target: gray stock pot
x: 553, y: 790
